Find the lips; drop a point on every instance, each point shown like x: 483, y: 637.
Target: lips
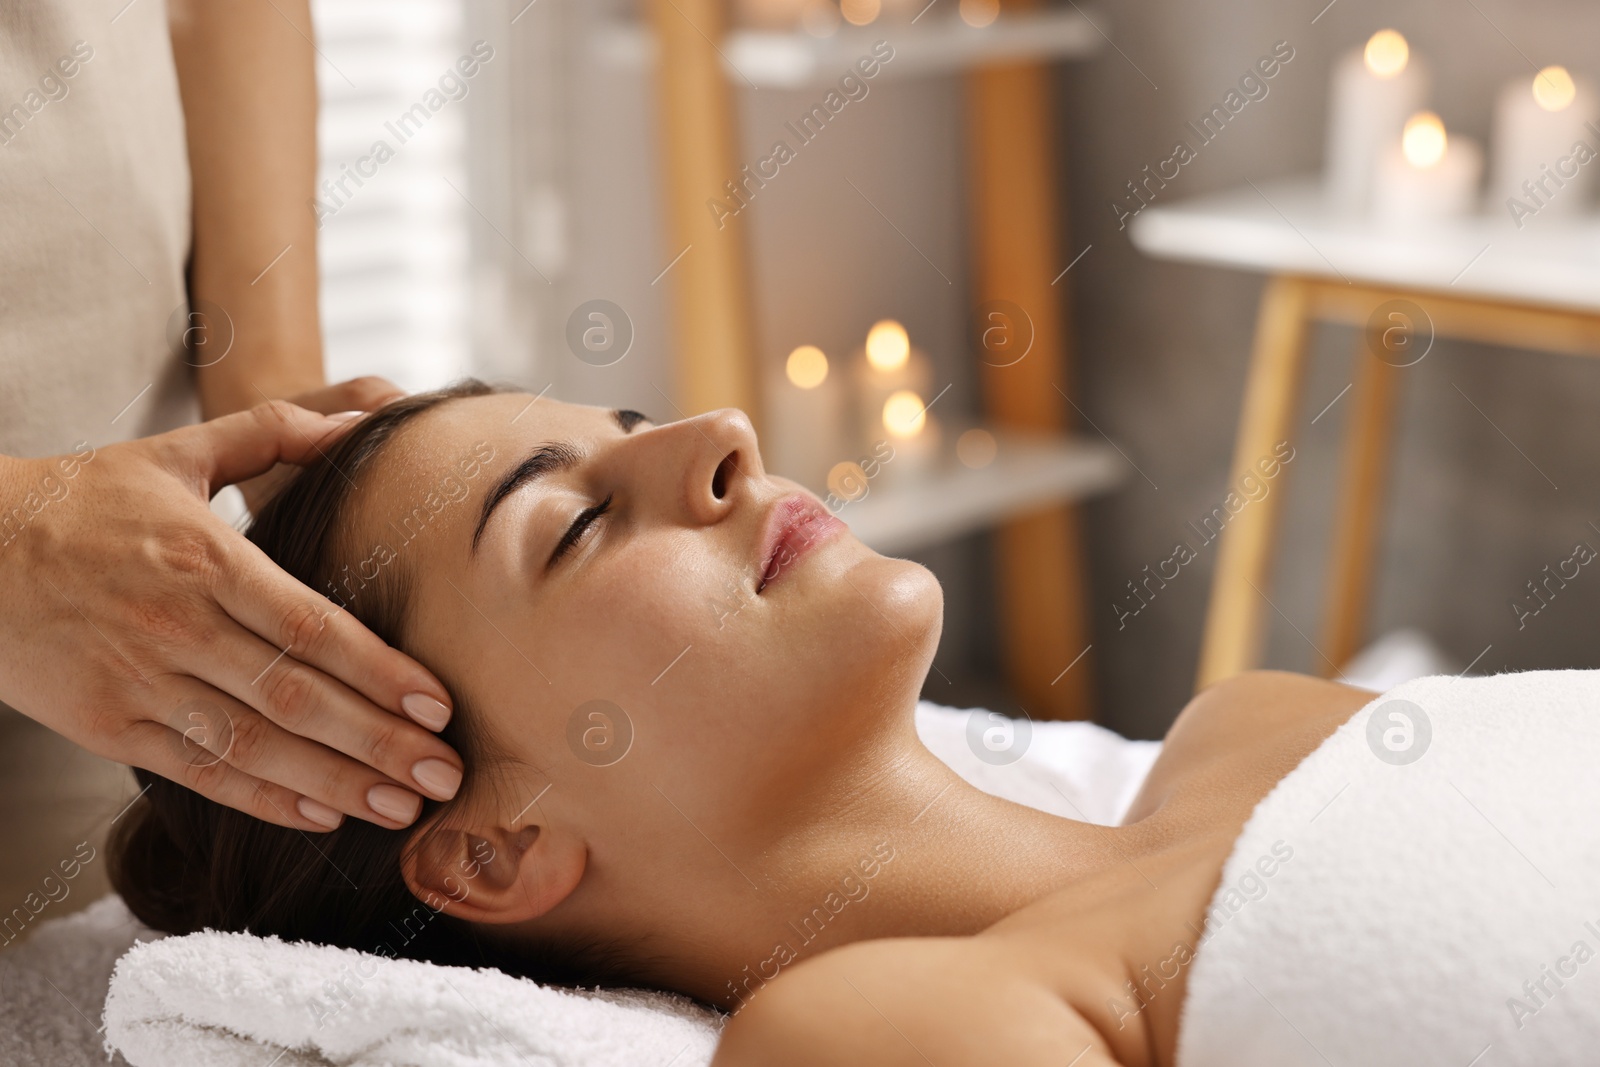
x: 796, y: 524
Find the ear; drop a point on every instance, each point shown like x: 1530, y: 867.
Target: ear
x: 489, y: 874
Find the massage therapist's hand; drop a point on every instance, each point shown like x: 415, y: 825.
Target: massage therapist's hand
x: 355, y: 394
x: 138, y: 624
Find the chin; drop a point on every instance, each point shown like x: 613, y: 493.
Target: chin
x: 852, y: 665
x: 896, y: 630
x: 911, y: 596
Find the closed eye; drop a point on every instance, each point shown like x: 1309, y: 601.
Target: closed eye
x: 580, y: 526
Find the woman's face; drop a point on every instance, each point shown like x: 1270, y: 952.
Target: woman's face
x: 604, y: 592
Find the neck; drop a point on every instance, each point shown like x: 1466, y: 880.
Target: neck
x: 903, y: 847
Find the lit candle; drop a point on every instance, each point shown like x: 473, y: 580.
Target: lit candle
x: 890, y: 365
x: 1374, y: 90
x: 914, y: 436
x: 1429, y: 175
x: 805, y: 419
x: 860, y: 12
x: 1545, y: 141
x: 979, y: 13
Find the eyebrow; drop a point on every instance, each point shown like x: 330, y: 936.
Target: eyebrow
x: 549, y: 458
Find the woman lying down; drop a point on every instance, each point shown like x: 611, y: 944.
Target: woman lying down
x: 684, y: 699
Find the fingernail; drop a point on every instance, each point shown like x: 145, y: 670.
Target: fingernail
x: 395, y: 803
x: 425, y: 710
x: 319, y: 813
x: 345, y: 416
x: 438, y: 778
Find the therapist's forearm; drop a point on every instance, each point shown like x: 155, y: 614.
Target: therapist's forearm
x: 246, y: 74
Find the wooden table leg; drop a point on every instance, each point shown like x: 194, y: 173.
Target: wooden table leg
x: 1359, y: 508
x: 1238, y: 608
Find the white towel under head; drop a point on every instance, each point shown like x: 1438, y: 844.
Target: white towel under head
x: 323, y: 1005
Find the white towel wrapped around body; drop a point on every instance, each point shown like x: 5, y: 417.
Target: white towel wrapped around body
x: 1423, y: 889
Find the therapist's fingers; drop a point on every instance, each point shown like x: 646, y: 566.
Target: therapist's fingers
x: 240, y: 446
x: 367, y: 393
x: 315, y: 631
x: 297, y: 721
x: 309, y: 630
x: 178, y: 755
x: 229, y: 730
x: 352, y: 397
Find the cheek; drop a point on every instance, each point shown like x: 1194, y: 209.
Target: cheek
x: 619, y: 630
x: 717, y: 686
x: 640, y: 633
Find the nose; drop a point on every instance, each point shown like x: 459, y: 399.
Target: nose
x: 722, y: 462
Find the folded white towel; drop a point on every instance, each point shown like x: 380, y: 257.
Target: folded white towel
x: 1420, y: 890
x: 220, y: 1000
x: 223, y: 999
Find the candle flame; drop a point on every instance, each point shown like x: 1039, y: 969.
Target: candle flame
x: 1424, y: 141
x: 1387, y: 53
x: 1553, y: 88
x: 807, y: 367
x: 888, y: 347
x: 860, y: 12
x: 979, y: 13
x: 904, y: 414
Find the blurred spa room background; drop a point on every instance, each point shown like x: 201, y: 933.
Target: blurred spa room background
x: 1177, y: 338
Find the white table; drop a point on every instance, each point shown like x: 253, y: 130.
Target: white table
x: 1477, y: 278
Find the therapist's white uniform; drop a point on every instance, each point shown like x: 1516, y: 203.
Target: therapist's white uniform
x: 94, y: 225
x: 94, y: 241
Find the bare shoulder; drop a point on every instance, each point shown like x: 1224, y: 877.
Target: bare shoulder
x: 1234, y: 732
x: 911, y: 1002
x: 1254, y: 698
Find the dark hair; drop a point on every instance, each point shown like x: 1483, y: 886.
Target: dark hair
x: 184, y: 863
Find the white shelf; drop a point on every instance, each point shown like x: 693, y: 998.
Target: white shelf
x: 1286, y: 227
x: 1029, y: 473
x: 935, y: 44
